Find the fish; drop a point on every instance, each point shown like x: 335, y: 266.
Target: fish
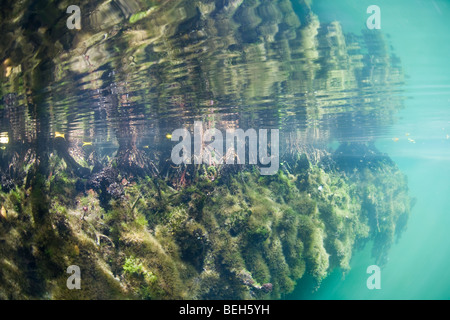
x: 8, y: 71
x: 4, y: 139
x: 395, y: 139
x: 169, y: 136
x: 3, y: 213
x: 59, y: 135
x: 145, y: 147
x: 411, y: 140
x: 86, y: 144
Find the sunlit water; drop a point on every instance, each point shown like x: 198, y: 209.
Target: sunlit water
x: 132, y: 86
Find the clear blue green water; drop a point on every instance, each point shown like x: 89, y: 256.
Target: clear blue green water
x: 418, y: 266
x: 89, y: 119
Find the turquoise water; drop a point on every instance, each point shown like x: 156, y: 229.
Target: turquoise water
x: 418, y: 266
x: 88, y: 122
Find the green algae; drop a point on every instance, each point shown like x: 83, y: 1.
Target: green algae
x: 221, y: 239
x: 139, y: 16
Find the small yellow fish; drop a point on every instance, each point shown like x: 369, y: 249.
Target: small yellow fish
x: 411, y: 140
x: 169, y: 136
x: 3, y: 148
x: 8, y: 71
x: 395, y: 139
x: 59, y: 135
x: 3, y: 213
x: 447, y: 137
x: 145, y: 147
x: 86, y: 144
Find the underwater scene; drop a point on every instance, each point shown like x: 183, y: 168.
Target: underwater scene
x: 224, y: 149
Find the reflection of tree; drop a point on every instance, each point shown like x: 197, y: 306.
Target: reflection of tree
x: 16, y: 151
x: 235, y: 63
x: 129, y: 157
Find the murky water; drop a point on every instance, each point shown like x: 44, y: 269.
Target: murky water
x: 87, y: 125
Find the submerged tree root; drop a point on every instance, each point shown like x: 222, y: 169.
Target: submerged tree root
x: 237, y: 236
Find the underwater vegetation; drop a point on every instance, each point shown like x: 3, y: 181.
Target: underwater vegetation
x: 238, y: 235
x: 85, y: 146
